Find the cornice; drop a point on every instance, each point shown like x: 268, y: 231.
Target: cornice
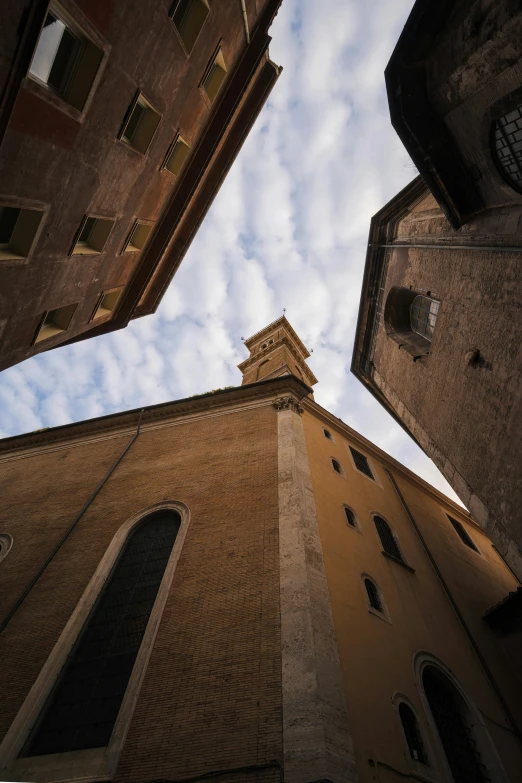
x: 124, y: 424
x: 284, y: 340
x: 284, y: 322
x: 309, y: 404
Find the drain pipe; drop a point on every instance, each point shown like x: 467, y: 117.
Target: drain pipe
x: 69, y: 530
x: 487, y: 671
x: 245, y: 20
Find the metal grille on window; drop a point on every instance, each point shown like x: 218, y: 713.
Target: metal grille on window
x: 388, y: 541
x: 412, y: 734
x: 423, y: 315
x: 361, y: 463
x: 507, y: 146
x: 462, y: 534
x: 372, y: 592
x: 83, y: 708
x: 350, y: 516
x: 454, y: 728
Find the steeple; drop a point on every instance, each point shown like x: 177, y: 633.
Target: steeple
x: 276, y: 350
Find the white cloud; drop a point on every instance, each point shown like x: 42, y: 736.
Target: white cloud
x: 288, y: 229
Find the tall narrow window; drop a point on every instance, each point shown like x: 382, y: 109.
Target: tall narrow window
x: 327, y: 434
x: 350, y: 517
x: 215, y: 76
x: 462, y: 533
x: 412, y: 733
x: 423, y: 315
x: 389, y: 544
x: 374, y: 599
x: 83, y: 708
x: 361, y: 463
x: 455, y: 728
x: 65, y: 60
x: 189, y: 17
x: 506, y: 140
x: 176, y: 156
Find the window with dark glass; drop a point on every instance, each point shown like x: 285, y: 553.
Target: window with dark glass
x: 361, y: 463
x: 506, y: 140
x: 337, y: 466
x: 412, y: 733
x: 374, y: 599
x: 65, y: 60
x: 140, y: 125
x: 327, y: 434
x: 455, y: 728
x: 462, y: 533
x: 389, y: 544
x: 18, y: 228
x: 189, y: 17
x: 350, y: 516
x: 423, y: 315
x: 82, y: 710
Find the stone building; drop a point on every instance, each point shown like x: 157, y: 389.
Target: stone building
x: 438, y: 336
x: 119, y: 120
x: 239, y: 586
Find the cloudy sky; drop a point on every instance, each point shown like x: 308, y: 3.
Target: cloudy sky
x: 287, y: 230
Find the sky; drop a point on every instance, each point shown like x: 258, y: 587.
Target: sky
x: 288, y: 229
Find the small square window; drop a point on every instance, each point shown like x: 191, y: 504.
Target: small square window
x: 107, y: 303
x: 93, y: 235
x: 189, y: 17
x: 18, y: 229
x: 65, y: 59
x: 137, y: 237
x: 55, y: 321
x: 176, y: 156
x: 361, y: 463
x: 215, y: 76
x: 140, y: 125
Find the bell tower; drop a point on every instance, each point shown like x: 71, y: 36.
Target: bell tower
x: 276, y: 350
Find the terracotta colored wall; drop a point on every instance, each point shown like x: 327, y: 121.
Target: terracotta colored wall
x: 376, y: 655
x: 211, y: 698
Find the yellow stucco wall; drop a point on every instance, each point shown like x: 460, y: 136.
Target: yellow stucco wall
x: 376, y: 655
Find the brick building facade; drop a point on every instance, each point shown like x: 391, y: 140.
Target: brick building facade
x: 308, y: 572
x: 438, y: 336
x: 118, y: 123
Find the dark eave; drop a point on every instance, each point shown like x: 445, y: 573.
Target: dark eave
x: 421, y: 130
x: 381, y: 231
x: 506, y: 616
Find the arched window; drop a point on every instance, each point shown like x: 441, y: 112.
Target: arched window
x: 82, y: 709
x: 412, y: 734
x: 337, y: 466
x: 374, y: 599
x: 423, y: 315
x: 327, y: 434
x: 388, y: 542
x: 6, y: 543
x: 455, y: 727
x: 350, y: 517
x: 462, y: 533
x: 506, y: 142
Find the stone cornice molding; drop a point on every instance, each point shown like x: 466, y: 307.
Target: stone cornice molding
x: 288, y: 403
x: 122, y: 424
x: 309, y: 404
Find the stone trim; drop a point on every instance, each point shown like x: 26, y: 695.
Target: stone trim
x: 316, y: 739
x: 97, y: 763
x: 288, y: 404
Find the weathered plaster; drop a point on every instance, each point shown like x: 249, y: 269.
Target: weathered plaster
x: 316, y: 737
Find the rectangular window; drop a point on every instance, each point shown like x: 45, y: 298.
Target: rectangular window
x: 107, y: 303
x: 65, y: 59
x: 18, y: 229
x: 462, y: 533
x: 176, y: 156
x: 140, y: 125
x: 189, y: 17
x: 215, y: 76
x: 55, y: 322
x: 93, y: 235
x: 137, y: 237
x: 361, y: 463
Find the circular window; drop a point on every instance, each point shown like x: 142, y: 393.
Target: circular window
x: 506, y: 143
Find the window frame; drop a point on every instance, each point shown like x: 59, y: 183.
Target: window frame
x: 177, y: 139
x: 110, y: 314
x: 139, y: 98
x: 89, y: 250
x: 58, y: 330
x: 356, y: 524
x: 472, y: 545
x: 128, y: 247
x: 328, y: 436
x: 177, y: 30
x: 337, y: 472
x: 401, y: 561
x: 427, y: 771
x: 208, y: 70
x: 376, y: 480
x: 80, y: 26
x: 10, y: 256
x: 382, y: 613
x: 98, y: 762
x: 431, y: 300
x: 515, y: 104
